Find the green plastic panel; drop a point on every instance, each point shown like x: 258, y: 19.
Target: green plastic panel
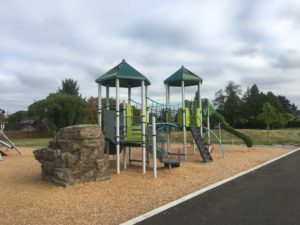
x: 187, y: 117
x: 133, y: 131
x: 198, y: 117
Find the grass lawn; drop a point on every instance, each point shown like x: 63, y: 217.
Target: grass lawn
x: 260, y: 137
x: 31, y: 142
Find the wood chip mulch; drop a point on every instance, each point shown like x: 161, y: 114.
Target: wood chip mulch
x: 26, y: 199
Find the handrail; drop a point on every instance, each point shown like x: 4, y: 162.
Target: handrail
x: 135, y: 102
x: 163, y: 104
x: 218, y: 139
x: 169, y: 124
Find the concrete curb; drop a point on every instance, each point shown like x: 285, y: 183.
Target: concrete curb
x: 201, y: 191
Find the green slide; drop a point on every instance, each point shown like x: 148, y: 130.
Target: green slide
x: 208, y: 108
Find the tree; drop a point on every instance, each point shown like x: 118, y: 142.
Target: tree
x: 219, y: 101
x: 268, y: 116
x: 69, y: 86
x: 253, y: 101
x: 243, y: 112
x: 61, y: 110
x: 16, y: 117
x: 232, y: 103
x: 290, y: 108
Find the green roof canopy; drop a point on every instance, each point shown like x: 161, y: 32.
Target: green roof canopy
x: 128, y: 76
x: 185, y: 75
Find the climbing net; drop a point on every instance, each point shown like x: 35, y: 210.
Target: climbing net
x: 165, y: 113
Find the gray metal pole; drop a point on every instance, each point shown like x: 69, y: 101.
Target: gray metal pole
x: 200, y: 107
x: 154, y: 146
x: 124, y: 135
x: 129, y: 94
x: 107, y: 109
x: 183, y: 119
x: 10, y: 142
x: 168, y: 102
x: 107, y: 97
x: 208, y: 122
x: 146, y: 104
x: 99, y: 106
x: 130, y: 150
x: 118, y: 126
x: 143, y: 126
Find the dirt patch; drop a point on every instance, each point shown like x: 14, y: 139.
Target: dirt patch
x: 27, y: 199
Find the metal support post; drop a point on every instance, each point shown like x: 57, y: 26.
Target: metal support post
x: 118, y: 126
x: 154, y: 147
x: 124, y: 135
x: 99, y: 106
x: 208, y: 123
x: 200, y: 107
x: 183, y: 119
x: 143, y: 127
x: 130, y: 150
x: 107, y: 97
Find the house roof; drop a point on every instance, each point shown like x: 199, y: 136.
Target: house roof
x: 127, y: 75
x: 183, y: 74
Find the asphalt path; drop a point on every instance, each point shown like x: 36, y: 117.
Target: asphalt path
x: 269, y: 195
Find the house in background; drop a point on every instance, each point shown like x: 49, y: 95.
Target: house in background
x: 27, y: 124
x: 2, y: 117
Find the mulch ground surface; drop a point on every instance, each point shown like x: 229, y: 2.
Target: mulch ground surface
x: 26, y: 199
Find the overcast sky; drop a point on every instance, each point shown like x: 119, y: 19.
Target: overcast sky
x: 43, y: 42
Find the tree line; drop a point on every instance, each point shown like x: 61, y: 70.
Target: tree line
x: 64, y: 108
x: 251, y: 109
x: 254, y: 108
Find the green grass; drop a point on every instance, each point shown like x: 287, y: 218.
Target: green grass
x: 31, y: 142
x: 260, y: 137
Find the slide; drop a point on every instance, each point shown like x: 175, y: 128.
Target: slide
x: 208, y: 108
x: 6, y: 144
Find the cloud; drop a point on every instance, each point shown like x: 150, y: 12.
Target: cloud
x: 246, y: 51
x: 42, y: 43
x: 289, y: 60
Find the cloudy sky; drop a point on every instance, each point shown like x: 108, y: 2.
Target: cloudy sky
x: 43, y: 42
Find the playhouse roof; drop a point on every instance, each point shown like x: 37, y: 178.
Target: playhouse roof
x: 128, y: 76
x: 183, y: 74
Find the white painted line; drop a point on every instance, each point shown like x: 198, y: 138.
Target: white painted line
x: 201, y: 191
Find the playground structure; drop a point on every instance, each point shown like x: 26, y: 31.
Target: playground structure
x: 148, y: 124
x: 5, y: 141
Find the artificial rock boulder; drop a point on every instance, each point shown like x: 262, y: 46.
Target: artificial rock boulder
x: 75, y: 155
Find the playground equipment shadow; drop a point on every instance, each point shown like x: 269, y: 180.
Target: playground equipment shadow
x: 26, y: 199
